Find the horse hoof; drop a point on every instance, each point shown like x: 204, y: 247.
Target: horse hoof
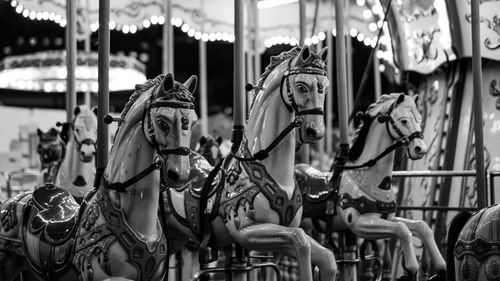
x: 440, y: 276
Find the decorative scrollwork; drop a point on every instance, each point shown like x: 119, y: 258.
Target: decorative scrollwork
x: 495, y: 92
x: 424, y: 39
x: 493, y: 24
x: 414, y: 10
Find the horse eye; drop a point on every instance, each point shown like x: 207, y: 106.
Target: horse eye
x: 302, y: 88
x: 162, y: 124
x: 404, y: 121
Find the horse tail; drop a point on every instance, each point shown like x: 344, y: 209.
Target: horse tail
x: 456, y: 226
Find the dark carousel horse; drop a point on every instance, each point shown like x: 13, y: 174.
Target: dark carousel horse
x: 253, y: 200
x: 358, y: 194
x: 116, y: 233
x: 51, y: 149
x: 208, y: 147
x: 473, y: 247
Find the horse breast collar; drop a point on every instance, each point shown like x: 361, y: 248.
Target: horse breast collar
x: 257, y: 174
x: 146, y: 258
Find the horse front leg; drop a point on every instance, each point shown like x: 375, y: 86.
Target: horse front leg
x: 276, y: 238
x: 373, y: 227
x: 425, y: 234
x: 324, y: 259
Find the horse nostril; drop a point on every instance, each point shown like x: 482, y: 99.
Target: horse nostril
x: 172, y: 175
x: 418, y: 149
x: 310, y: 132
x: 82, y: 154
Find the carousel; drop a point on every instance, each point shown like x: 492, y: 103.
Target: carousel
x: 316, y: 177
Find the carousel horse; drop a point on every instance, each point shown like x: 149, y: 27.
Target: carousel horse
x: 116, y: 232
x: 77, y: 170
x: 51, y: 150
x: 358, y: 195
x: 473, y: 246
x: 252, y: 199
x: 208, y: 147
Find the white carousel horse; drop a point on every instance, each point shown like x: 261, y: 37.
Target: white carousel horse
x: 51, y: 149
x: 473, y: 246
x: 254, y: 200
x: 77, y: 170
x: 116, y: 232
x: 358, y: 196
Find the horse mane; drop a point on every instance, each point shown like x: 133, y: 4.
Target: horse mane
x: 377, y: 108
x: 275, y: 61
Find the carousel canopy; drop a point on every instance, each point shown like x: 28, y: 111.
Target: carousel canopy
x: 213, y: 20
x: 46, y: 71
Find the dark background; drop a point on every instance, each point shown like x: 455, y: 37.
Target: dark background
x: 19, y: 35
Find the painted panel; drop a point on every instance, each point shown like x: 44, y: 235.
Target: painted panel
x: 423, y: 34
x: 489, y: 26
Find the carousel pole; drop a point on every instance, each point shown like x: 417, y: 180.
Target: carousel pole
x: 347, y: 241
x: 329, y: 96
x: 477, y: 105
x: 168, y: 40
x: 103, y: 90
x: 350, y: 95
x: 376, y: 75
x: 70, y: 59
x: 256, y: 40
x: 87, y: 94
x: 202, y: 45
x: 249, y: 53
x: 305, y: 152
x: 240, y: 261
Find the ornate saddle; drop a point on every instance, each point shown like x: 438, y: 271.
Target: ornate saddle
x: 55, y: 212
x: 49, y: 224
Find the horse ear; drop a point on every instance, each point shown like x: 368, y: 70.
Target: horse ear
x: 219, y: 140
x: 53, y: 132
x: 323, y: 53
x: 203, y: 140
x: 39, y: 132
x: 76, y: 111
x: 168, y: 82
x: 400, y: 99
x: 190, y: 84
x: 304, y: 55
x: 94, y: 109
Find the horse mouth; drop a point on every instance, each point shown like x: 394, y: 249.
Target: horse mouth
x: 79, y: 181
x: 86, y: 158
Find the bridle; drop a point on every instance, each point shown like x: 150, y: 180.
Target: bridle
x: 150, y: 136
x: 298, y: 120
x: 401, y: 140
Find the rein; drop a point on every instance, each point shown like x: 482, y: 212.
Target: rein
x: 401, y: 141
x: 158, y: 163
x: 297, y: 121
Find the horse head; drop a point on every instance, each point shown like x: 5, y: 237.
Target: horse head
x: 84, y: 128
x: 170, y: 117
x: 50, y: 147
x: 403, y: 123
x: 305, y: 84
x: 209, y: 148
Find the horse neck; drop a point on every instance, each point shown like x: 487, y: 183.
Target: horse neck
x: 376, y: 142
x: 131, y: 154
x: 267, y: 119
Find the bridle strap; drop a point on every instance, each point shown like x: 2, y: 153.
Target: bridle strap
x: 181, y: 150
x: 86, y: 141
x: 264, y: 153
x: 122, y: 186
x: 401, y: 141
x: 171, y: 104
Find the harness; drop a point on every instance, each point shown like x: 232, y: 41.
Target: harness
x: 151, y: 139
x: 318, y: 69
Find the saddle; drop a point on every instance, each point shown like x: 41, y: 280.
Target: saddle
x: 315, y: 186
x: 55, y: 212
x: 49, y: 225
